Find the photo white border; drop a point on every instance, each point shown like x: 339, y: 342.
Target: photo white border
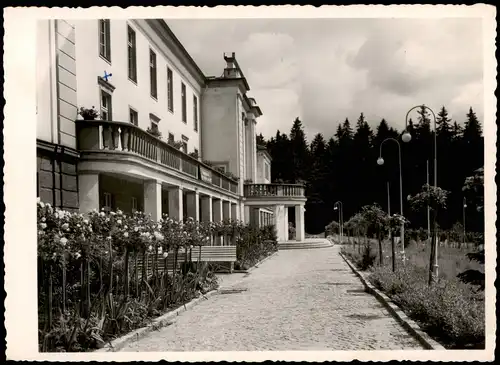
x: 20, y: 167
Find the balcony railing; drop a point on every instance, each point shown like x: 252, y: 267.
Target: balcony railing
x: 274, y: 190
x: 102, y: 135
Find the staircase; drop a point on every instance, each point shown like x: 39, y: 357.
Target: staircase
x: 304, y: 245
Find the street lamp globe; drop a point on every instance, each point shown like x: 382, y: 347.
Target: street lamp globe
x: 335, y: 208
x: 380, y: 161
x: 406, y: 137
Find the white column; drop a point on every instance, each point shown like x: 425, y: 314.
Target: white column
x: 152, y: 199
x: 193, y: 205
x: 285, y: 222
x: 234, y: 211
x: 300, y: 232
x: 175, y: 208
x: 278, y: 222
x: 206, y: 208
x: 246, y: 215
x: 88, y: 192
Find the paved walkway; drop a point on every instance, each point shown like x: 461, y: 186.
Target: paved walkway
x: 297, y: 300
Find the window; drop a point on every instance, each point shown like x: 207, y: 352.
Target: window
x: 104, y: 39
x: 133, y: 117
x: 133, y: 203
x: 152, y: 74
x: 154, y: 122
x: 132, y: 55
x: 266, y: 170
x: 170, y: 90
x: 106, y: 109
x: 171, y: 138
x: 195, y: 113
x: 184, y: 143
x: 183, y: 95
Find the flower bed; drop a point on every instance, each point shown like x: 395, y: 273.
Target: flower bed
x: 450, y: 311
x: 91, y: 287
x: 255, y: 244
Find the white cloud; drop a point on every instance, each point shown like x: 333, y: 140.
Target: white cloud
x: 324, y: 70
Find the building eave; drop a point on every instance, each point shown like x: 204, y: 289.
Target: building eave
x: 173, y: 43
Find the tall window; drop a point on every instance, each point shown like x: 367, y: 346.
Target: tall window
x: 266, y: 171
x: 106, y: 109
x: 133, y: 117
x: 104, y: 39
x: 107, y: 201
x: 133, y: 203
x: 132, y: 55
x: 152, y: 74
x: 171, y: 138
x: 184, y: 106
x: 195, y: 113
x: 170, y: 89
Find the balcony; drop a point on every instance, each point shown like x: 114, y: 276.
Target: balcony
x: 274, y: 193
x: 121, y: 138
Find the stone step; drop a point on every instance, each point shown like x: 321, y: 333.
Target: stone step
x: 303, y: 245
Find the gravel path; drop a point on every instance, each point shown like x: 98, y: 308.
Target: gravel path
x: 297, y: 300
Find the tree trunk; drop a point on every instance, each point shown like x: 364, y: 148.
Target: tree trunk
x: 393, y: 248
x: 49, y: 297
x: 110, y: 268
x: 432, y: 269
x: 381, y: 260
x: 64, y: 284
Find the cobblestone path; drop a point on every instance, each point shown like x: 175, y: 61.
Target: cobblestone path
x: 297, y: 300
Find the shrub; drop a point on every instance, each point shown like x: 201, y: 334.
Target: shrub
x: 449, y: 311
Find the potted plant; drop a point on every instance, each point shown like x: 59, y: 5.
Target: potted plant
x: 154, y: 132
x: 88, y: 114
x: 194, y: 155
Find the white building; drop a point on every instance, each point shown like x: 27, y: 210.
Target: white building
x: 205, y: 164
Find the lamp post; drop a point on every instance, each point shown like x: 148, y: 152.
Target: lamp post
x: 406, y: 137
x: 389, y: 206
x: 464, y: 205
x: 341, y: 217
x: 428, y: 209
x: 380, y: 161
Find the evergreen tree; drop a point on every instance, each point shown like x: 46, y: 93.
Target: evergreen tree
x: 443, y: 126
x: 317, y: 185
x: 299, y: 151
x: 261, y: 140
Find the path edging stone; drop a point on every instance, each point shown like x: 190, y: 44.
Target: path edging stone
x: 156, y: 324
x: 408, y: 324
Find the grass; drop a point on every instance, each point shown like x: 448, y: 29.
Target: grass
x: 450, y: 311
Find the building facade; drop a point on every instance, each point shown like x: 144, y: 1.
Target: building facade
x: 155, y: 134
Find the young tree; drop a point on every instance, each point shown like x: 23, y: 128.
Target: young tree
x: 474, y: 186
x: 377, y: 219
x: 435, y: 199
x: 299, y: 151
x: 394, y: 223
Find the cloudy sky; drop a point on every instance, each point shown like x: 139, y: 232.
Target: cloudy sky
x: 324, y: 70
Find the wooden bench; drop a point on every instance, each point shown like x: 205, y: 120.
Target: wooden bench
x: 208, y: 254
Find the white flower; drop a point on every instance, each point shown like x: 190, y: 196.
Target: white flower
x: 119, y: 221
x: 42, y: 205
x: 136, y: 229
x: 65, y: 226
x: 125, y: 234
x: 43, y: 219
x: 38, y: 199
x: 86, y: 221
x: 78, y: 255
x: 109, y: 237
x: 159, y: 226
x: 107, y: 219
x: 78, y: 225
x: 125, y: 227
x: 165, y: 254
x: 112, y: 213
x: 64, y: 240
x: 43, y: 225
x: 102, y: 214
x: 150, y: 247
